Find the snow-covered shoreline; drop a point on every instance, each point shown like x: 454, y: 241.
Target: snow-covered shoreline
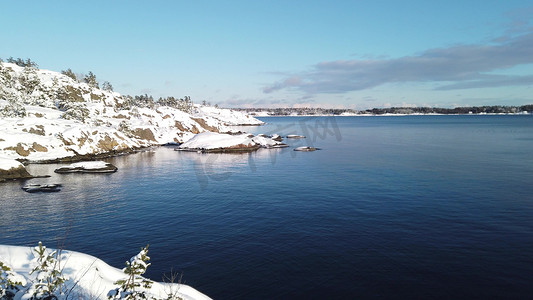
x: 49, y: 117
x: 88, y: 276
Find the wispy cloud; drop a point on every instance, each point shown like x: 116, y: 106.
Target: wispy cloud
x: 519, y: 20
x: 489, y: 81
x: 456, y: 67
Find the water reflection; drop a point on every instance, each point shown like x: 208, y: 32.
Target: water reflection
x: 26, y: 218
x: 221, y: 166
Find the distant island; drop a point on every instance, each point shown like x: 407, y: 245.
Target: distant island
x: 306, y: 111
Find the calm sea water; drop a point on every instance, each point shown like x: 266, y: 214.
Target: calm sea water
x: 391, y: 207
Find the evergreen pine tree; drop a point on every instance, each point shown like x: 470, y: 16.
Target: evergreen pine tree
x: 10, y: 281
x: 49, y: 277
x: 106, y: 86
x: 31, y: 64
x: 134, y: 285
x: 69, y: 73
x: 90, y: 79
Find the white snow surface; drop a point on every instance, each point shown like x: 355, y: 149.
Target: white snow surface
x: 265, y: 141
x: 88, y: 165
x: 8, y: 164
x: 103, y: 121
x: 213, y: 140
x: 89, y: 277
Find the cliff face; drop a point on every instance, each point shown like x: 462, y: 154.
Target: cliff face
x: 46, y: 115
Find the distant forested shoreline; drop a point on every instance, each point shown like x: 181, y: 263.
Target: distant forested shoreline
x: 495, y: 109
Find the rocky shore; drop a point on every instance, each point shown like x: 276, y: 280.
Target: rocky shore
x: 48, y: 117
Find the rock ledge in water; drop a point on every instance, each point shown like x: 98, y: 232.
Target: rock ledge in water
x: 306, y: 149
x: 88, y: 167
x: 295, y: 136
x: 45, y: 188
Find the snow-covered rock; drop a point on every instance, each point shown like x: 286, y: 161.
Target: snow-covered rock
x: 295, y: 136
x: 277, y: 137
x: 88, y: 167
x: 12, y: 169
x: 8, y: 164
x: 268, y: 142
x: 88, y: 276
x: 220, y: 142
x: 47, y: 116
x: 306, y: 149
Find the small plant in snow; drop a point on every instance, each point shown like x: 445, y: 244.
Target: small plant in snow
x: 49, y: 277
x: 173, y: 285
x: 10, y: 281
x: 134, y: 286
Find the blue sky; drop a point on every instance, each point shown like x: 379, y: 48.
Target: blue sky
x: 354, y: 54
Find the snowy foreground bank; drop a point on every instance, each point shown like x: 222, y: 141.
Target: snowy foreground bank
x: 87, y: 277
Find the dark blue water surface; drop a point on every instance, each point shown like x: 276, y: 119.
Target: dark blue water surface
x: 391, y: 207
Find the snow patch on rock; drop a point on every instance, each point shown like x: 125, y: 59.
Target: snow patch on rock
x: 8, y: 164
x: 212, y: 140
